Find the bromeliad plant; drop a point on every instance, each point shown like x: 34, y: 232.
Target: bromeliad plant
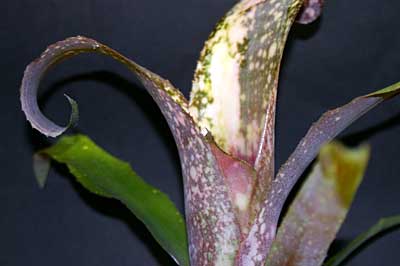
x: 225, y: 138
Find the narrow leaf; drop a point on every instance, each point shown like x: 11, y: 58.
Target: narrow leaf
x: 55, y: 53
x: 383, y: 224
x: 257, y: 245
x: 320, y: 207
x: 207, y: 203
x: 105, y: 175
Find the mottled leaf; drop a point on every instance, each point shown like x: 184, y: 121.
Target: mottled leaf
x: 234, y: 87
x: 235, y: 84
x: 239, y: 177
x: 310, y: 11
x: 208, y: 207
x: 256, y: 245
x: 383, y: 224
x: 320, y: 207
x: 105, y: 175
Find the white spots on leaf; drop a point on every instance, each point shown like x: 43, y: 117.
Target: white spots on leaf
x: 269, y: 78
x: 272, y: 50
x: 193, y: 173
x: 241, y: 201
x: 263, y: 227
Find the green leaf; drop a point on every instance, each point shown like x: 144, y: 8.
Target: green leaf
x: 322, y: 131
x: 105, y: 175
x: 320, y: 207
x: 382, y: 225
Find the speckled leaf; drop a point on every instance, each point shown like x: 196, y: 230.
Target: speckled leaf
x: 310, y: 11
x: 239, y: 177
x: 320, y: 207
x: 107, y: 176
x: 235, y: 83
x: 382, y: 225
x: 234, y: 86
x: 211, y: 223
x: 256, y: 246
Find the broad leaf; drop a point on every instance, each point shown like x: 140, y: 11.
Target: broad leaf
x: 209, y: 212
x: 257, y: 244
x: 320, y: 207
x: 235, y: 84
x: 382, y: 225
x: 234, y: 87
x: 107, y: 176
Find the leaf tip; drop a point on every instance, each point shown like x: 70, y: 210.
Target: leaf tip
x: 74, y: 116
x: 41, y: 167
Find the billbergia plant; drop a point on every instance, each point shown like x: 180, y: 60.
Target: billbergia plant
x: 234, y: 199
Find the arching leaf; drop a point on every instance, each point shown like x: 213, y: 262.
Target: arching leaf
x: 382, y: 225
x: 105, y: 175
x: 258, y: 243
x: 207, y: 203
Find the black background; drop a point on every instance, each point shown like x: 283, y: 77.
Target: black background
x: 352, y: 50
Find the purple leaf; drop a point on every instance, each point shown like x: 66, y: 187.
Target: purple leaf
x: 212, y: 226
x: 255, y: 247
x: 239, y: 178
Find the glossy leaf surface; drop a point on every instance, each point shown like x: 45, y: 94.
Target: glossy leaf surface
x: 105, y: 175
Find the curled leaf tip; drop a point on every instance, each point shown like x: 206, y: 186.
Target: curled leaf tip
x: 29, y: 89
x: 74, y: 117
x: 310, y: 11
